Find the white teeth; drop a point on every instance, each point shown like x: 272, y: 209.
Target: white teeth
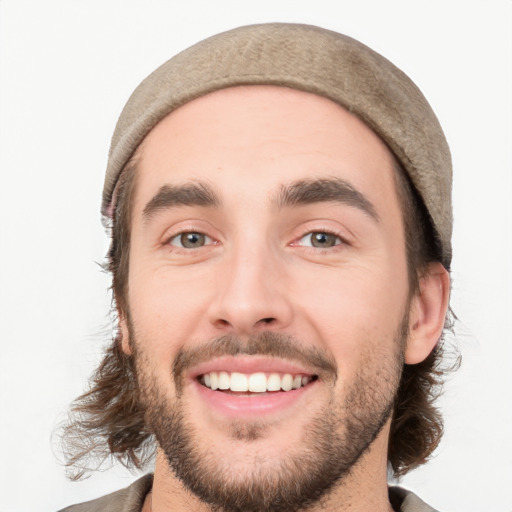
x: 223, y: 380
x: 258, y: 383
x: 255, y: 383
x: 239, y: 382
x: 274, y: 382
x: 214, y: 381
x: 287, y: 382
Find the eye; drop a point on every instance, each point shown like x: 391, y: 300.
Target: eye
x: 190, y: 240
x: 320, y: 240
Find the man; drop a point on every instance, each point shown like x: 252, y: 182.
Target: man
x: 279, y: 199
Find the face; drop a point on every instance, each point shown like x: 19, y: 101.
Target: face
x: 267, y: 295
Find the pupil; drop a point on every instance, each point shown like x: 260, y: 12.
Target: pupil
x: 191, y: 240
x: 323, y: 240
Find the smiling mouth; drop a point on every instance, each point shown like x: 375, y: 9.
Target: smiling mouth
x: 257, y: 383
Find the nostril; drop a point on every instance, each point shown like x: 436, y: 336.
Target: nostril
x: 267, y: 320
x: 221, y: 323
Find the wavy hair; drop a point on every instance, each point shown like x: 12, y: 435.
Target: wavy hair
x: 107, y: 421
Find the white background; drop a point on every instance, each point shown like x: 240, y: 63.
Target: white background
x: 66, y: 69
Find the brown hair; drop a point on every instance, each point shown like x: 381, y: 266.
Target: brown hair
x: 417, y: 424
x: 107, y: 421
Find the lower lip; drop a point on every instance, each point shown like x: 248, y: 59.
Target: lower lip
x: 256, y: 404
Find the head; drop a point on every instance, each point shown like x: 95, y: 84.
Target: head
x: 286, y: 244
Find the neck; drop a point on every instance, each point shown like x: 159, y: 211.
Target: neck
x: 363, y: 488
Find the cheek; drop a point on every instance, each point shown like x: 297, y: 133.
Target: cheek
x: 166, y: 305
x: 351, y: 308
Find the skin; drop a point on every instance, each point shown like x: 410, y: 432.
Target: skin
x: 257, y: 270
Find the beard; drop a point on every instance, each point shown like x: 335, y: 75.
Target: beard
x: 330, y: 446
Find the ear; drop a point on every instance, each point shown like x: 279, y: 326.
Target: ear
x: 427, y: 313
x: 125, y: 333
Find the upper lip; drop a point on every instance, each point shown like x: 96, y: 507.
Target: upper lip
x: 248, y: 365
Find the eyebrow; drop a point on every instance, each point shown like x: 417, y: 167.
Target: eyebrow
x: 323, y: 190
x: 189, y: 194
x: 298, y: 193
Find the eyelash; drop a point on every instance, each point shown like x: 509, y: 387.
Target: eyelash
x: 208, y: 240
x: 339, y: 241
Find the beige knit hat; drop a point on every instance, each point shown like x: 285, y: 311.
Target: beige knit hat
x: 310, y: 59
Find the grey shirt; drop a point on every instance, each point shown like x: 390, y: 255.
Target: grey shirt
x: 132, y: 498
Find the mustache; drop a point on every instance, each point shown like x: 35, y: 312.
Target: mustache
x: 263, y: 344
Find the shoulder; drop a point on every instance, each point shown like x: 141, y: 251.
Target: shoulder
x: 406, y: 501
x: 129, y: 499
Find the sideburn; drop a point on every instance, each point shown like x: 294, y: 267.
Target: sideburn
x: 119, y: 252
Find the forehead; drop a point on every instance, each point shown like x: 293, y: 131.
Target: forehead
x: 265, y: 136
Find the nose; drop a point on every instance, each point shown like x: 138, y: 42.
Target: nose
x: 251, y: 294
